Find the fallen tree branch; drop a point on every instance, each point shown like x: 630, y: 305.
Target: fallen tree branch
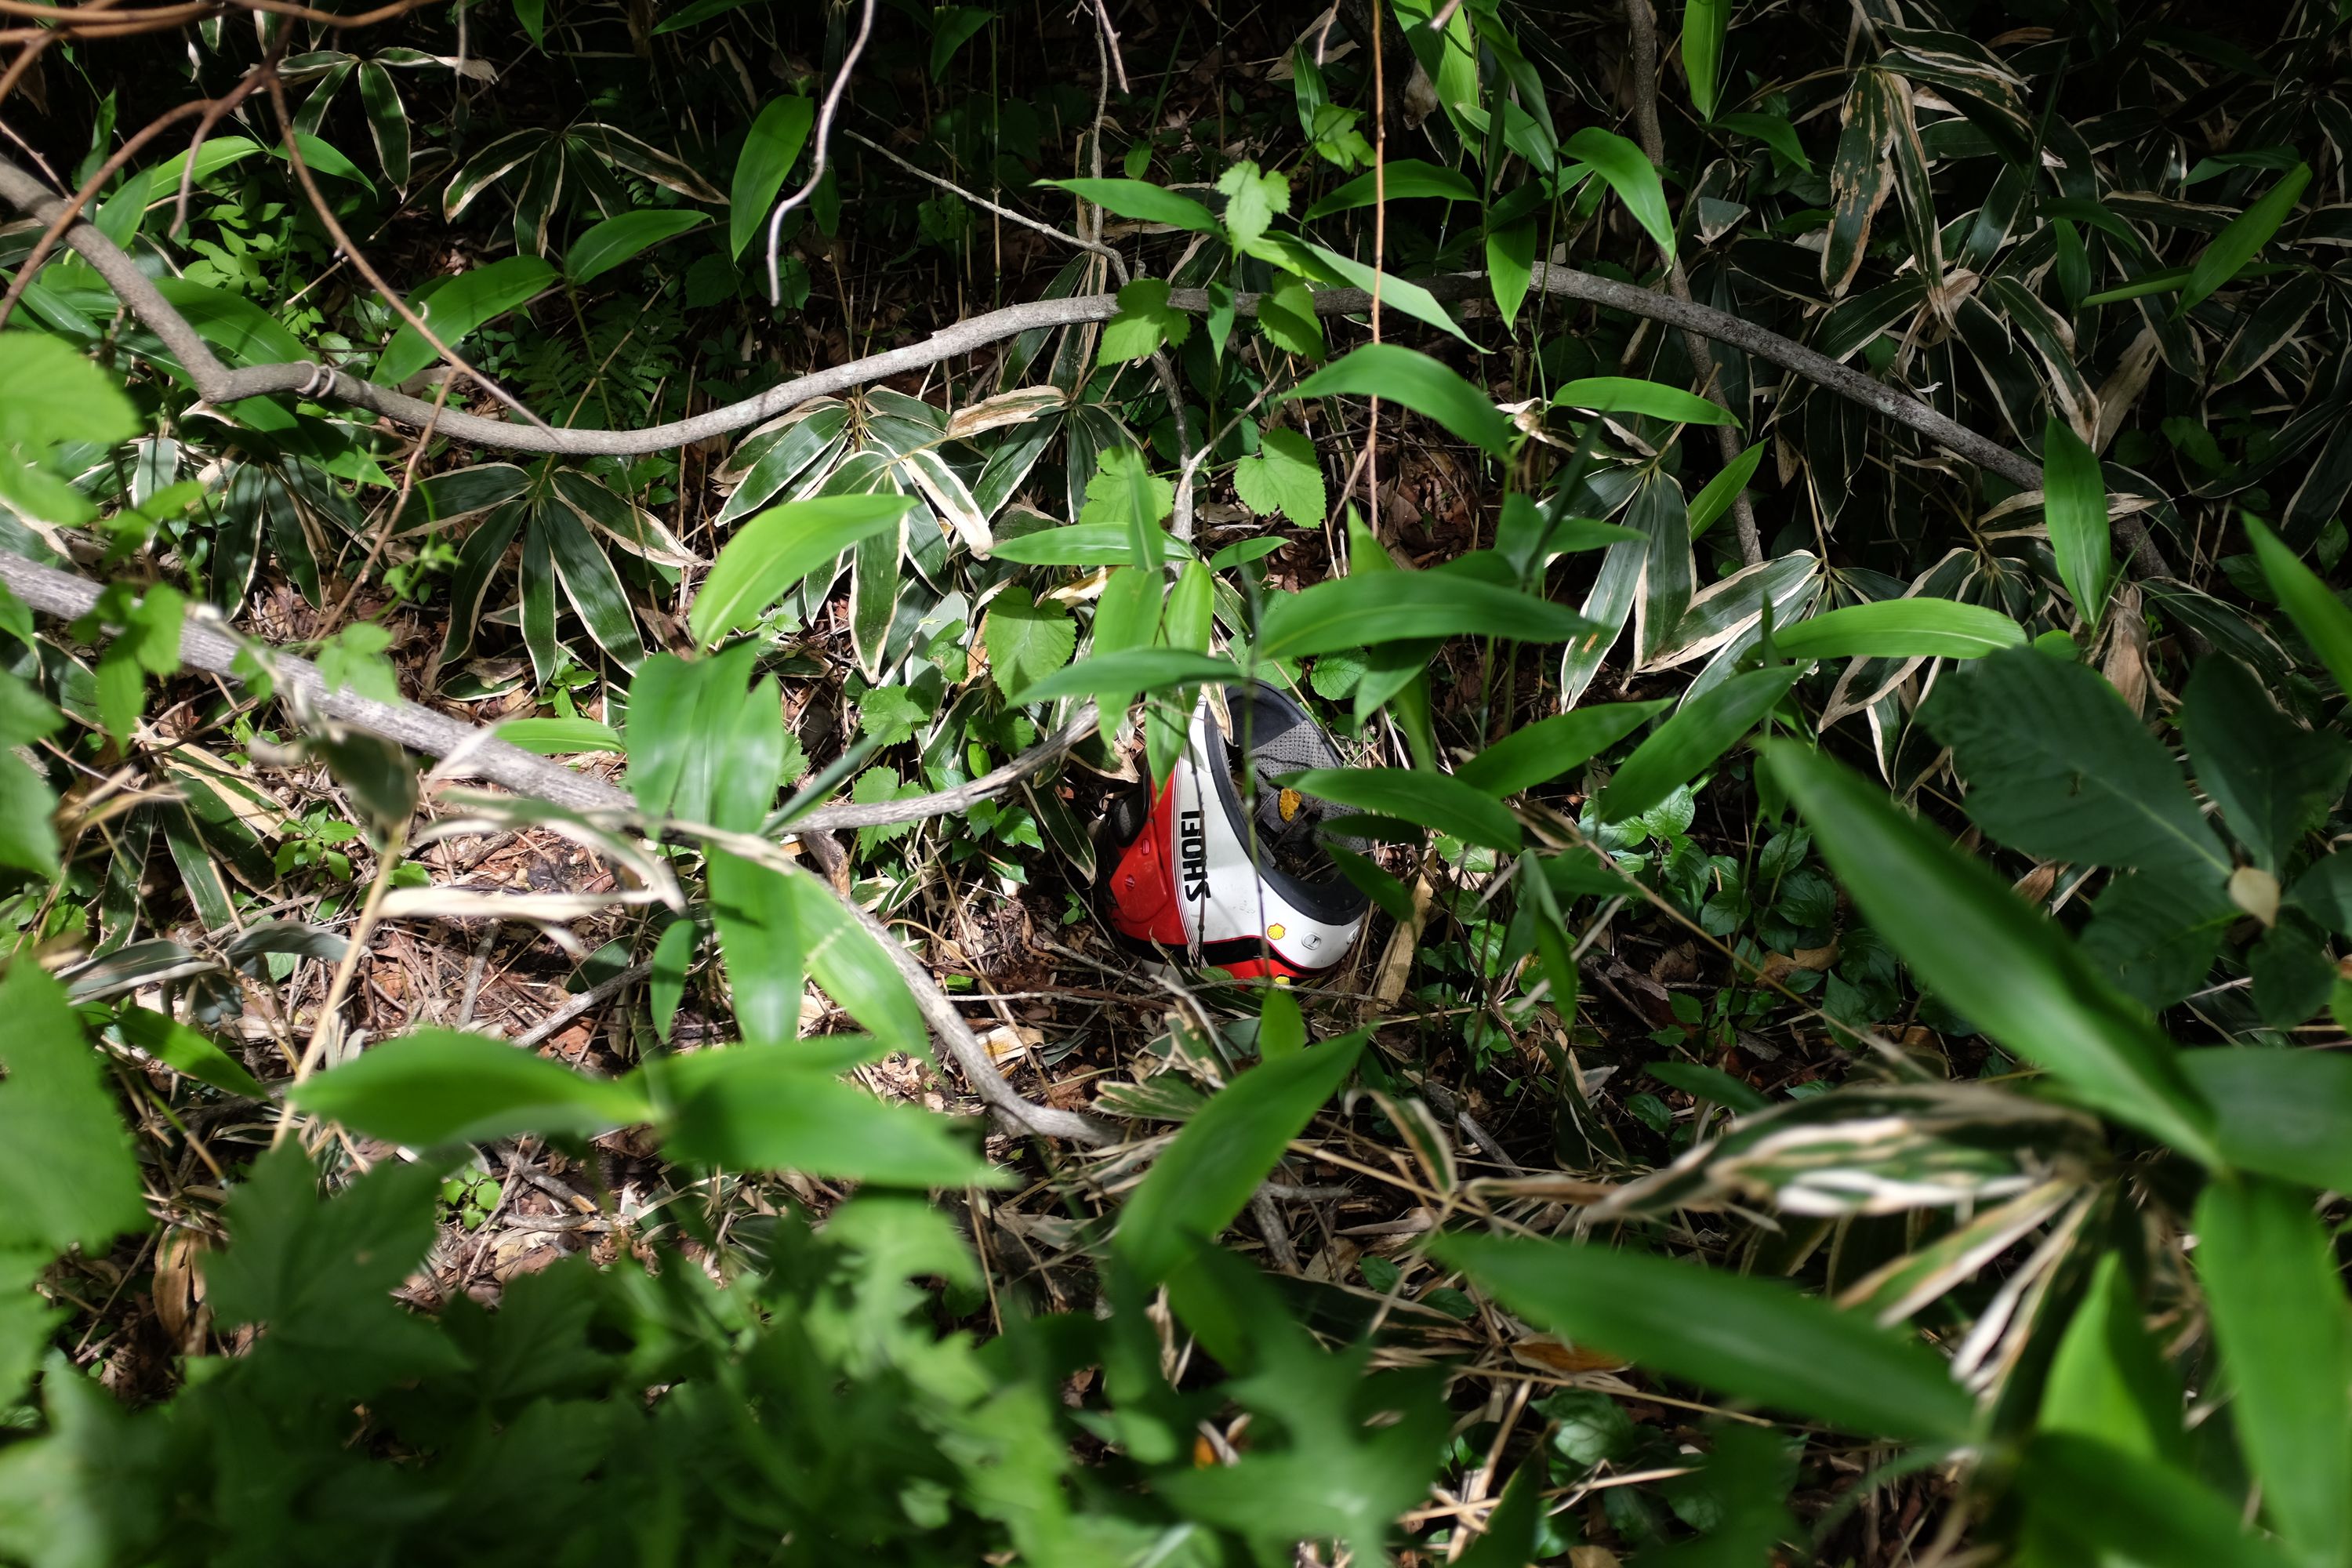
x: 207, y: 646
x: 218, y: 384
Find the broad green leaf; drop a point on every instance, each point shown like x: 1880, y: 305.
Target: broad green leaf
x: 617, y: 239
x: 1143, y: 201
x: 2004, y: 964
x: 2276, y: 1297
x: 387, y: 119
x: 2108, y: 1380
x: 1901, y: 628
x: 1510, y: 267
x: 1329, y: 266
x: 769, y: 1107
x: 1286, y: 314
x: 1549, y: 747
x: 2272, y: 779
x: 1370, y: 609
x: 50, y: 395
x: 1144, y: 321
x: 1632, y: 177
x: 952, y: 27
x: 2106, y: 1501
x: 1252, y: 200
x: 1775, y: 131
x: 1026, y: 641
x: 763, y: 945
x: 773, y: 551
x: 1705, y: 23
x: 2324, y: 891
x: 1435, y: 801
x: 1126, y: 493
x: 2280, y: 1113
x: 1707, y: 726
x: 1708, y: 507
x: 323, y: 157
x: 2238, y: 244
x: 459, y: 308
x: 2075, y: 505
x: 1084, y: 544
x: 1750, y: 1338
x: 1281, y: 1028
x: 2322, y: 618
x: 1208, y: 1174
x: 770, y: 148
x: 853, y: 967
x: 1418, y: 381
x: 665, y: 986
x: 698, y: 12
x: 1115, y: 677
x: 1405, y: 179
x: 1285, y: 477
x: 439, y: 1085
x: 1630, y: 394
x: 186, y: 1050
x: 66, y: 1163
x: 559, y: 737
x: 28, y: 836
x: 2058, y: 767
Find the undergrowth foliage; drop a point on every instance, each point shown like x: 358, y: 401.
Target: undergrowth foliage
x: 1817, y: 532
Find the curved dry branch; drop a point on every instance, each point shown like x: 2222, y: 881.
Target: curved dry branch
x: 478, y: 753
x: 218, y: 384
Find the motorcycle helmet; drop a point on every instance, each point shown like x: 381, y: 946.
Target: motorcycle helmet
x: 1225, y: 865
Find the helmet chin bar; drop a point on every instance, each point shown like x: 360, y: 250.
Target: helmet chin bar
x: 1186, y: 878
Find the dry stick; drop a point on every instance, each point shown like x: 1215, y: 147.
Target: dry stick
x: 218, y: 384
x: 205, y: 645
x: 822, y: 144
x: 1644, y: 28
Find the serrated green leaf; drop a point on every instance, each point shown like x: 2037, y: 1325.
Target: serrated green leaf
x: 1285, y: 477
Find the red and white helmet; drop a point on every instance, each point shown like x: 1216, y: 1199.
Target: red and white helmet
x: 1228, y: 870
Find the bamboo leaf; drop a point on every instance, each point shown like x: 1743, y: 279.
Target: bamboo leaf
x: 1420, y: 384
x: 2075, y: 505
x: 775, y: 550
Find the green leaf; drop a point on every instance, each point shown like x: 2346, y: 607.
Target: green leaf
x: 1901, y: 628
x: 1281, y: 1029
x: 1252, y: 200
x: 773, y: 551
x: 559, y: 737
x: 1510, y: 267
x: 1405, y: 179
x: 2237, y: 245
x: 459, y: 308
x: 2108, y: 1380
x: 2271, y: 1284
x: 698, y: 12
x: 1775, y: 131
x: 2004, y: 964
x: 1708, y: 507
x: 1142, y: 201
x: 1435, y: 801
x: 1372, y: 608
x: 1629, y: 394
x: 66, y: 1163
x: 1086, y: 544
x: 1144, y: 321
x: 1545, y: 750
x: 2075, y: 505
x: 952, y: 27
x: 1286, y: 314
x: 439, y: 1085
x: 2285, y: 1113
x: 186, y: 1050
x: 29, y: 837
x: 665, y: 986
x: 2057, y: 766
x: 1751, y: 1338
x: 1328, y: 266
x: 770, y: 1107
x: 770, y: 150
x: 1705, y: 23
x: 1286, y: 476
x: 2107, y: 1501
x: 763, y: 944
x: 617, y: 239
x: 1224, y: 1151
x: 1419, y: 383
x: 853, y: 967
x: 2322, y: 618
x: 1632, y: 177
x: 50, y: 395
x: 1026, y: 641
x: 1126, y: 493
x: 1115, y: 677
x: 1675, y: 752
x: 2272, y: 779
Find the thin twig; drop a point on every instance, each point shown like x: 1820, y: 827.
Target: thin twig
x: 820, y: 145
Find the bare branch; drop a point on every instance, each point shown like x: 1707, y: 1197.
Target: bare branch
x: 820, y: 145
